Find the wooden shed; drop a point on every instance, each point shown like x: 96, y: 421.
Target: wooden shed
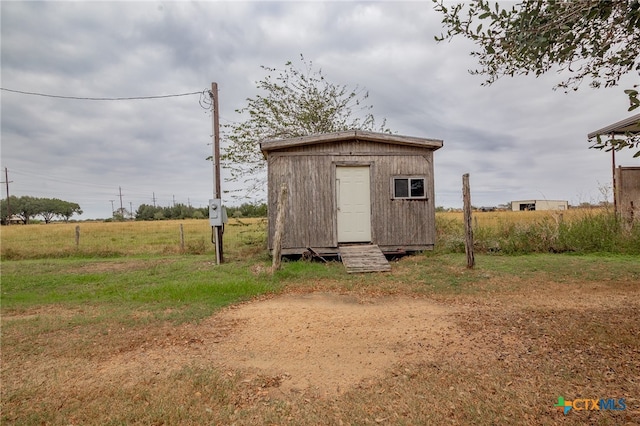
x: 353, y: 187
x: 628, y: 193
x: 626, y: 180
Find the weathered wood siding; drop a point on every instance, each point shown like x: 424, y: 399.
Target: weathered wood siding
x: 310, y: 210
x: 628, y: 192
x: 309, y: 172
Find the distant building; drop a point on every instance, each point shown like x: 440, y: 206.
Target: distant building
x: 16, y: 220
x: 531, y: 205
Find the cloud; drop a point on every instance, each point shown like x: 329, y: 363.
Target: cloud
x: 517, y: 138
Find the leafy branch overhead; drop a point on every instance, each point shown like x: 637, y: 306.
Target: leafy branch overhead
x: 588, y: 40
x: 292, y: 102
x: 609, y: 143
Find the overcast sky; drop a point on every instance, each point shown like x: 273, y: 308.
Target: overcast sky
x: 518, y: 138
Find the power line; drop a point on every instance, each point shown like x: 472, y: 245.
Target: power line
x: 81, y: 98
x: 138, y: 191
x: 49, y: 177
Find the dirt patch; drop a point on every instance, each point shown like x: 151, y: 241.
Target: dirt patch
x: 324, y: 343
x: 42, y: 312
x: 319, y: 342
x: 330, y: 342
x: 363, y: 357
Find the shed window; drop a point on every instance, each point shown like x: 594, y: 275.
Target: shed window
x: 409, y: 187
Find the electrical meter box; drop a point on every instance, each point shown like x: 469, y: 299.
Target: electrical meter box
x: 217, y: 212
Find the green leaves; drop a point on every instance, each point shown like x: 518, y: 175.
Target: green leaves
x: 27, y: 207
x: 293, y: 102
x: 633, y: 99
x: 591, y: 39
x: 588, y: 40
x: 626, y: 141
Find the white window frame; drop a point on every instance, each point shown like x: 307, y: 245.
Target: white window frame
x: 408, y: 179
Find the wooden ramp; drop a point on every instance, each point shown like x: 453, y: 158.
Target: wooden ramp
x: 364, y: 258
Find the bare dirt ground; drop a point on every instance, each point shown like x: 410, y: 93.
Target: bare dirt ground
x: 319, y: 342
x: 324, y: 345
x: 330, y: 342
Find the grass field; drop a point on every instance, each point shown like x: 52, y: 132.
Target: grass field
x: 120, y: 329
x: 572, y: 231
x: 112, y: 239
x: 575, y: 231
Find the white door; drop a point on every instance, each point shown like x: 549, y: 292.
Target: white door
x: 353, y: 204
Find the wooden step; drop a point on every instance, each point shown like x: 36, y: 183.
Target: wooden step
x: 363, y: 258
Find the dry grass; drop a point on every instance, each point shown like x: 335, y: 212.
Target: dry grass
x: 576, y: 230
x: 521, y: 333
x: 105, y: 239
x: 497, y: 221
x: 498, y: 218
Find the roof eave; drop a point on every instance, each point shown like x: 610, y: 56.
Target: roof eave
x: 273, y: 145
x: 628, y: 125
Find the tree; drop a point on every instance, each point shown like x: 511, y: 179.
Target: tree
x: 595, y: 40
x: 295, y: 102
x: 67, y: 209
x: 28, y: 207
x: 178, y: 211
x: 47, y: 208
x: 24, y: 207
x: 4, y: 208
x: 248, y: 210
x: 147, y: 212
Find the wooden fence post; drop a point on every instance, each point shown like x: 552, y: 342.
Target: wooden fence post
x: 181, y: 238
x: 468, y: 229
x: 279, y: 228
x: 77, y: 236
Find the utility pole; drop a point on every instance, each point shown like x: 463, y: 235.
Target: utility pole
x: 468, y: 229
x: 614, y: 182
x: 112, y: 207
x: 7, y: 182
x: 154, y: 199
x: 121, y: 208
x: 130, y: 209
x: 217, y: 193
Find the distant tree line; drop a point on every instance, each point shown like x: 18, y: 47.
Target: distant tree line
x: 26, y: 208
x: 182, y: 211
x: 177, y: 211
x: 248, y: 210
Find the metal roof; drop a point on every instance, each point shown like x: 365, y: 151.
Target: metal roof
x: 276, y: 144
x: 628, y: 125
